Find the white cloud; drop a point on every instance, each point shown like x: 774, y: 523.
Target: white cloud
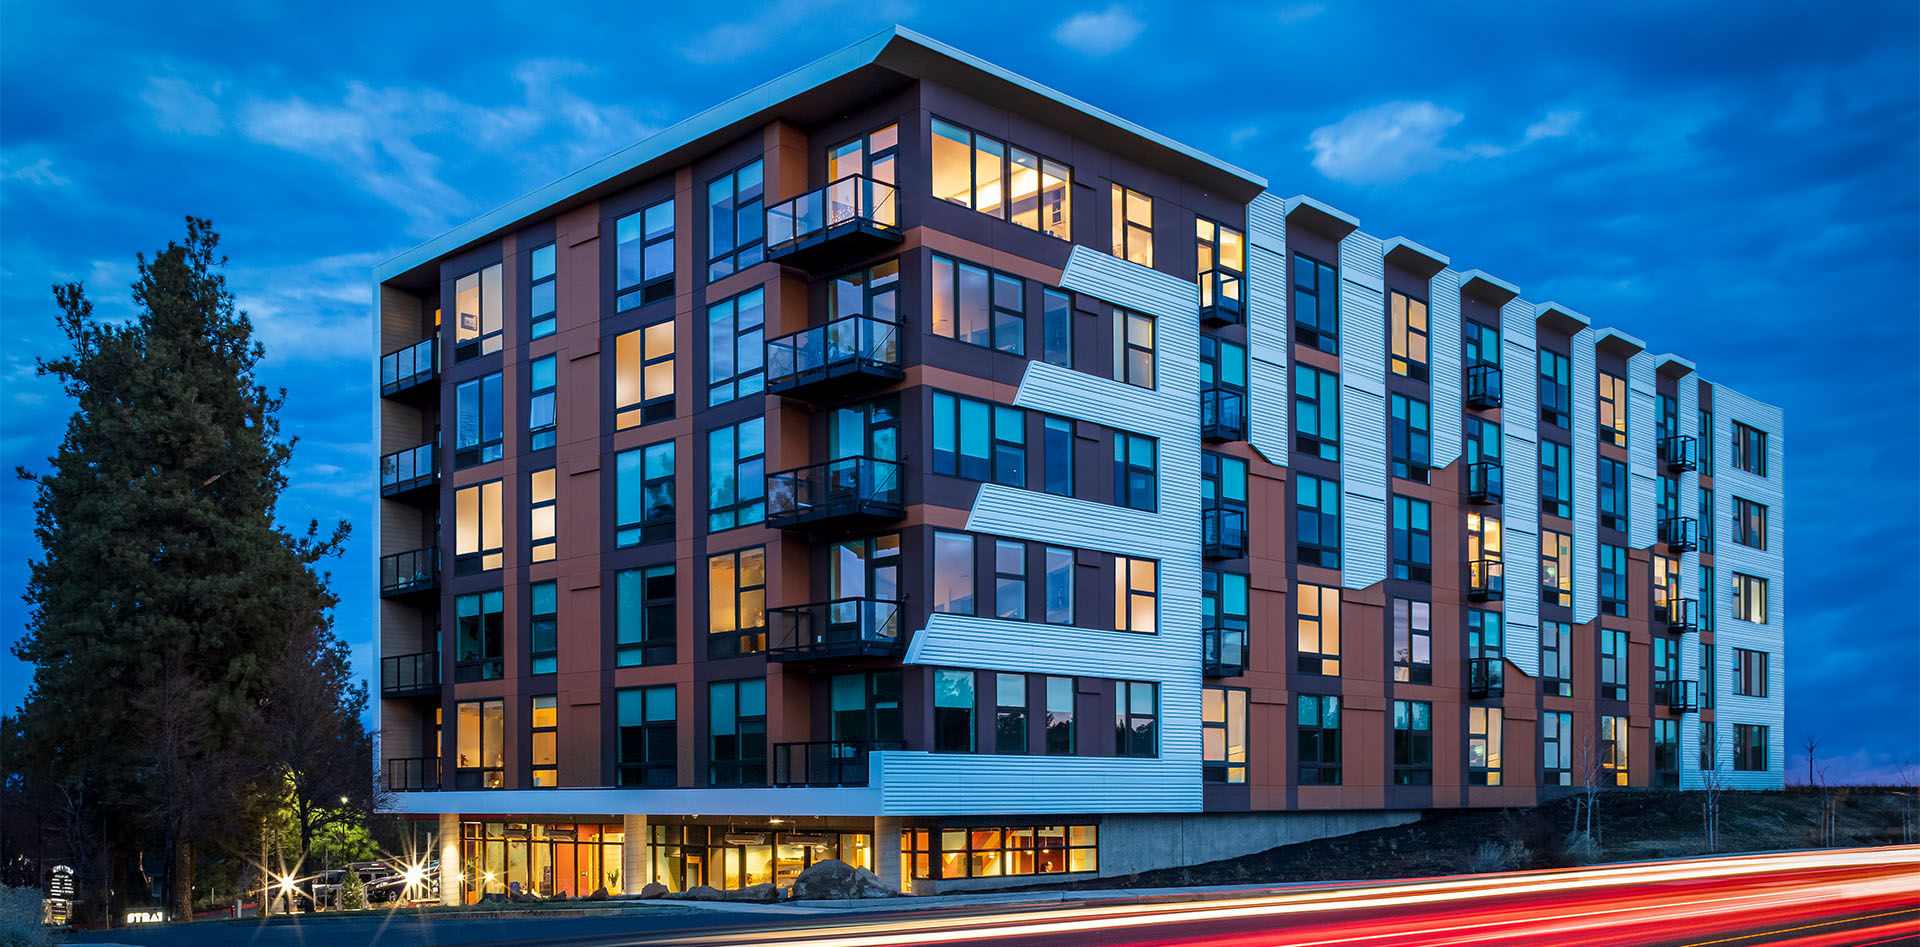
x: 1099, y: 34
x: 179, y: 107
x: 315, y: 311
x: 1557, y: 124
x: 1243, y: 135
x: 39, y: 174
x: 781, y: 21
x: 1396, y: 140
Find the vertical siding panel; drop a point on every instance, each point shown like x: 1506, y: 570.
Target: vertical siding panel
x: 1363, y: 411
x: 1586, y: 480
x: 1443, y: 365
x: 1267, y: 330
x: 1520, y: 460
x: 1642, y: 490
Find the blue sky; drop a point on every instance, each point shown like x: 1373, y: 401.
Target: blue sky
x: 1734, y: 182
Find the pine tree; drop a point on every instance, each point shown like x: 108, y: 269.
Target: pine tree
x: 166, y: 589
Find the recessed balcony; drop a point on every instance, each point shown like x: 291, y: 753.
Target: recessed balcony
x: 1680, y: 533
x: 1223, y: 533
x: 832, y: 226
x: 826, y: 763
x: 1486, y: 580
x: 847, y: 492
x: 403, y: 472
x: 1680, y: 453
x: 405, y: 370
x: 1223, y: 414
x: 1683, y: 616
x: 1486, y: 678
x: 1483, y: 386
x: 412, y: 774
x: 1680, y: 697
x: 838, y: 629
x: 1222, y: 297
x: 405, y: 573
x: 1484, y: 485
x: 410, y: 675
x: 1223, y: 650
x: 847, y: 355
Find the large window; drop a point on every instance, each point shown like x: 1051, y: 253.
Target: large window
x: 979, y: 440
x: 1556, y: 398
x: 644, y: 494
x: 736, y: 225
x: 1613, y: 494
x: 543, y: 627
x: 1556, y: 749
x: 953, y: 573
x: 1556, y: 658
x: 542, y: 516
x: 477, y: 307
x: 644, y: 257
x: 735, y: 351
x: 1136, y: 594
x: 953, y: 703
x: 480, y: 744
x: 1056, y: 328
x: 1412, y: 743
x: 737, y: 475
x: 1412, y: 540
x: 1056, y: 454
x: 998, y: 851
x: 1412, y: 439
x: 1613, y: 580
x: 1412, y: 641
x: 979, y: 306
x: 1750, y: 598
x: 1058, y: 579
x: 1749, y: 523
x: 1483, y: 746
x: 481, y: 633
x: 1316, y: 304
x: 649, y: 745
x: 1407, y: 330
x: 1136, y: 707
x: 1556, y: 479
x: 1062, y: 740
x: 1317, y: 739
x: 1132, y: 225
x: 1613, y: 664
x: 1317, y: 521
x: 644, y: 620
x: 1316, y: 412
x: 1749, y: 748
x: 1002, y: 180
x: 1133, y: 348
x: 643, y: 376
x: 1317, y: 616
x: 541, y: 382
x: 477, y: 546
x: 1135, y: 477
x: 737, y: 603
x: 540, y: 292
x: 477, y: 431
x: 1613, y: 750
x: 737, y: 733
x: 1223, y: 734
x: 1010, y: 713
x: 1556, y: 568
x: 1749, y: 672
x: 1750, y: 449
x: 1613, y: 410
x: 544, y: 728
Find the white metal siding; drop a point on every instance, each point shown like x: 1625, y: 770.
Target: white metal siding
x: 1268, y: 333
x: 1520, y: 465
x: 1443, y: 365
x: 1643, y: 491
x: 1363, y: 412
x: 1730, y: 557
x: 1586, y: 480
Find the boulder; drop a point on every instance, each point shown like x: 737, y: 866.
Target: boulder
x: 763, y: 893
x: 835, y: 880
x: 599, y: 894
x: 705, y: 893
x: 653, y: 889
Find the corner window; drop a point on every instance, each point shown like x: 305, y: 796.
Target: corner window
x: 540, y: 292
x: 480, y: 762
x: 1136, y: 594
x: 477, y: 546
x: 1750, y: 598
x: 1317, y: 521
x: 1135, y: 476
x: 1317, y: 739
x: 1749, y: 523
x: 643, y: 376
x: 1133, y: 348
x: 541, y: 515
x: 1132, y: 225
x: 1556, y: 398
x: 644, y: 617
x: 1223, y: 734
x: 737, y: 733
x: 978, y: 306
x: 1001, y: 180
x: 735, y: 354
x: 477, y: 432
x: 1412, y: 743
x: 737, y: 475
x: 1316, y: 304
x: 1749, y: 449
x: 649, y: 745
x: 541, y: 423
x: 644, y: 495
x: 1407, y: 330
x: 1316, y: 412
x: 544, y: 727
x: 736, y: 223
x: 1136, y: 707
x: 1412, y: 439
x: 1412, y: 641
x: 644, y: 256
x: 477, y: 307
x: 1613, y: 410
x: 543, y: 625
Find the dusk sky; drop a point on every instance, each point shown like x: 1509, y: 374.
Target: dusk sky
x: 1736, y: 183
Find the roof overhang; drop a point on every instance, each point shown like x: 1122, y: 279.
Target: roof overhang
x: 1559, y: 318
x: 1320, y: 217
x: 1615, y: 342
x: 1673, y: 366
x: 1414, y: 258
x: 1488, y: 288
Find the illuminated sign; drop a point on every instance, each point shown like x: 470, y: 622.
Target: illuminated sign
x: 146, y: 917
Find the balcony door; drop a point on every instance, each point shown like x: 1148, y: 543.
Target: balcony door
x: 865, y: 593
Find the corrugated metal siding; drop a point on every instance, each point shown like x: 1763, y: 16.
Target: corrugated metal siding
x: 1268, y: 395
x: 1643, y: 424
x: 1687, y: 404
x: 1586, y: 480
x: 1520, y: 462
x: 1363, y: 412
x: 1443, y: 365
x: 1730, y: 557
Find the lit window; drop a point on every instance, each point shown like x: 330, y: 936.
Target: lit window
x: 1136, y: 592
x: 1133, y: 348
x: 1613, y: 410
x: 1750, y: 598
x: 478, y: 307
x: 1317, y: 616
x: 643, y: 375
x: 1483, y: 746
x: 737, y: 603
x: 1613, y: 749
x: 1005, y: 181
x: 1408, y: 330
x: 479, y: 742
x: 477, y: 543
x: 541, y: 499
x: 1556, y: 568
x: 546, y: 740
x: 1132, y: 226
x: 1223, y: 734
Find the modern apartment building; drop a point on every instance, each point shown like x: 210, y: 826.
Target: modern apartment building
x: 907, y: 463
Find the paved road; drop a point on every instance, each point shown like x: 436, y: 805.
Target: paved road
x: 1812, y: 899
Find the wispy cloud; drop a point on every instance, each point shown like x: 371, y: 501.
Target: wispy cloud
x: 734, y: 40
x: 40, y: 173
x: 1397, y: 140
x: 182, y: 108
x: 312, y: 312
x: 1101, y: 33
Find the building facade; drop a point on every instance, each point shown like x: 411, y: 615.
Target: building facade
x: 906, y: 463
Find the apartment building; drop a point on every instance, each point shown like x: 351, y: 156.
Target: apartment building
x: 906, y: 463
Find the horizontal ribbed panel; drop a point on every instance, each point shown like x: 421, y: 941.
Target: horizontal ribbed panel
x: 1520, y: 463
x: 1363, y: 412
x: 1731, y: 557
x: 1268, y: 396
x: 1643, y: 491
x: 1586, y: 480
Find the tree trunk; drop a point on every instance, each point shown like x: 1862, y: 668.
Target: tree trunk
x: 183, y: 879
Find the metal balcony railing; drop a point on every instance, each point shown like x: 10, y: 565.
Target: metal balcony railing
x: 406, y: 368
x: 408, y: 470
x: 1680, y: 697
x: 1486, y: 677
x: 1223, y: 532
x: 1223, y: 650
x: 849, y: 489
x: 1683, y: 615
x: 1484, y: 482
x: 1483, y: 386
x: 1680, y: 533
x: 1486, y: 580
x: 847, y: 353
x: 841, y: 628
x: 413, y: 774
x: 1680, y: 452
x: 416, y: 570
x: 826, y: 762
x: 1223, y: 414
x: 410, y: 675
x: 827, y: 226
x: 1222, y: 297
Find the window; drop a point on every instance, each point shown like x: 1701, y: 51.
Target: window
x: 866, y: 706
x: 1708, y: 682
x: 644, y: 256
x: 540, y: 290
x: 953, y: 573
x: 1009, y: 580
x: 1133, y: 348
x: 737, y: 733
x: 1132, y: 225
x: 1060, y: 730
x: 1556, y: 568
x: 1666, y: 583
x: 1010, y: 713
x: 1666, y: 753
x: 477, y: 431
x: 1613, y: 664
x: 1412, y: 439
x: 1706, y: 519
x: 1136, y: 704
x: 1750, y: 449
x: 737, y: 603
x: 1412, y: 540
x: 481, y: 762
x: 1613, y: 750
x: 737, y: 475
x: 1669, y: 499
x: 1412, y: 641
x: 1483, y: 746
x: 1223, y: 734
x: 1485, y: 639
x: 1135, y: 482
x: 1009, y: 446
x: 1613, y: 494
x: 644, y: 494
x: 477, y: 546
x: 1056, y: 452
x: 1059, y: 585
x: 1482, y: 343
x: 1317, y: 620
x: 482, y: 636
x: 1412, y: 743
x: 953, y: 730
x: 1408, y: 333
x: 540, y: 395
x: 1707, y: 749
x: 543, y: 624
x: 1706, y: 443
x: 643, y: 376
x: 1556, y: 657
x: 1317, y: 521
x: 871, y: 154
x: 1556, y: 749
x: 1613, y: 580
x: 997, y: 851
x: 1223, y: 482
x: 969, y: 168
x: 1483, y: 551
x: 1749, y: 673
x: 1219, y: 247
x: 1556, y: 479
x: 541, y: 515
x: 1316, y: 304
x: 1056, y: 328
x: 1136, y: 591
x: 545, y: 727
x: 1613, y: 410
x: 477, y: 304
x: 1750, y: 598
x: 649, y: 741
x: 979, y: 306
x: 1223, y: 617
x: 1482, y: 441
x: 735, y: 222
x: 1316, y: 412
x: 1666, y: 663
x: 644, y: 617
x: 979, y: 440
x: 1749, y: 523
x: 734, y: 348
x: 1317, y: 739
x: 1556, y: 399
x: 1749, y: 748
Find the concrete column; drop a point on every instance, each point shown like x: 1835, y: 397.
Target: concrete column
x: 450, y: 881
x: 886, y: 851
x: 634, y: 872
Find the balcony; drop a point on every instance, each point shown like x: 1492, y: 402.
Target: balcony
x: 1222, y: 298
x: 1680, y: 533
x: 853, y: 217
x: 1223, y: 414
x: 403, y: 472
x: 404, y: 573
x: 842, y: 628
x: 410, y: 675
x: 1223, y: 533
x: 1484, y: 482
x: 413, y: 774
x: 846, y: 492
x: 825, y: 763
x: 1486, y: 677
x: 1680, y: 453
x: 1486, y: 580
x: 409, y: 368
x: 848, y: 354
x: 1683, y: 616
x: 1679, y: 697
x: 1223, y: 650
x: 1483, y: 386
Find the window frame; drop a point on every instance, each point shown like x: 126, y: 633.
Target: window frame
x: 1412, y: 743
x: 488, y: 443
x: 637, y: 368
x: 1412, y: 528
x: 1311, y: 653
x: 489, y: 751
x: 1412, y: 438
x: 543, y: 436
x: 488, y: 329
x: 1322, y: 403
x: 1749, y: 448
x: 1133, y: 591
x: 1323, y: 553
x: 742, y: 767
x: 1749, y: 523
x: 1136, y: 731
x: 1132, y: 240
x: 1614, y: 561
x: 1058, y: 225
x: 642, y: 242
x: 1223, y: 764
x: 543, y: 540
x: 1412, y: 636
x: 542, y: 291
x: 483, y: 548
x: 639, y: 638
x: 543, y: 628
x: 637, y: 484
x: 1319, y: 333
x: 1614, y: 406
x: 653, y: 740
x: 746, y: 344
x: 750, y: 209
x: 1125, y: 348
x: 1556, y: 389
x: 1751, y: 747
x: 1324, y: 767
x: 549, y: 766
x: 1136, y: 486
x: 1750, y: 666
x: 1750, y: 598
x: 745, y: 502
x: 1402, y: 334
x: 748, y: 597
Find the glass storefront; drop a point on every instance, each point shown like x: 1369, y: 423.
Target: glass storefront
x: 996, y: 851
x: 573, y: 859
x: 686, y: 856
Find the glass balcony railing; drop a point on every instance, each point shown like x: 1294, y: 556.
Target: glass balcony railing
x: 1223, y: 533
x: 1484, y: 482
x: 841, y: 628
x: 826, y: 762
x: 832, y: 359
x: 1486, y: 580
x: 1223, y: 414
x: 406, y: 368
x: 412, y: 774
x: 1223, y: 650
x: 1680, y: 533
x: 849, y: 489
x: 831, y: 225
x: 410, y: 675
x: 1681, y: 452
x: 1486, y: 677
x: 1222, y: 297
x: 416, y: 570
x: 408, y: 470
x: 1483, y: 386
x: 1683, y: 616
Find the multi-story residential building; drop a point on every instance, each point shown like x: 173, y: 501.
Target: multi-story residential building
x: 907, y: 463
